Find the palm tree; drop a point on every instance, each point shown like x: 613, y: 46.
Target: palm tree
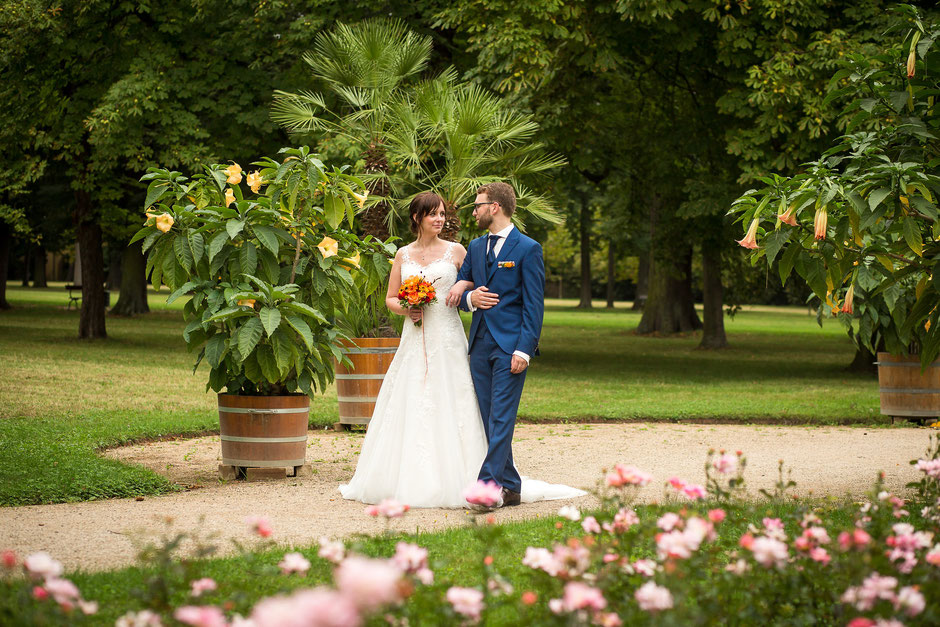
x: 364, y: 66
x: 439, y: 134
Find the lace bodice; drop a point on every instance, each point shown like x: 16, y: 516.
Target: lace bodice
x: 442, y: 273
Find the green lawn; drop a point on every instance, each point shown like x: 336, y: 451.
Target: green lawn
x: 63, y: 398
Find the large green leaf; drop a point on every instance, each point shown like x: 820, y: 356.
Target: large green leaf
x: 234, y: 227
x: 333, y: 209
x: 197, y: 244
x: 216, y: 349
x: 303, y: 329
x: 267, y: 237
x: 217, y: 243
x: 268, y: 363
x: 271, y: 319
x: 183, y: 254
x: 912, y: 235
x: 249, y: 336
x: 306, y: 310
x: 774, y: 242
x: 248, y: 258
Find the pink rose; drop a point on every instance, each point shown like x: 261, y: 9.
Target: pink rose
x: 466, y: 601
x: 260, y: 525
x: 317, y: 607
x: 201, y: 586
x: 204, y: 616
x: 716, y: 515
x: 390, y: 508
x: 483, y: 493
x: 9, y: 559
x: 63, y: 591
x: 369, y: 583
x: 42, y: 565
x: 332, y: 550
x: 410, y: 558
x: 294, y: 563
x: 653, y: 598
x: 590, y: 525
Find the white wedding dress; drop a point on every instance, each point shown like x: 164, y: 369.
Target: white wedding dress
x: 425, y: 443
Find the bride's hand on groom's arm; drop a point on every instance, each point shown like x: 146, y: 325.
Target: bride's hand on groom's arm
x: 457, y: 292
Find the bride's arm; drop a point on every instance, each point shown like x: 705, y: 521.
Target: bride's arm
x: 460, y: 287
x: 391, y: 296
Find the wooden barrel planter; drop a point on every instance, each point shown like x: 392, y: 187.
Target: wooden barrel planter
x: 358, y: 387
x: 266, y: 432
x: 905, y: 390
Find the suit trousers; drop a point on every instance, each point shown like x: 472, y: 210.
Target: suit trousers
x: 498, y: 394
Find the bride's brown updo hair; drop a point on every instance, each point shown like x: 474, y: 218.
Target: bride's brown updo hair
x: 423, y: 204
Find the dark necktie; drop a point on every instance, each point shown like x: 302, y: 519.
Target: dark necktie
x: 491, y: 255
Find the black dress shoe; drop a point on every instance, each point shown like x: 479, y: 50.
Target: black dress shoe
x: 511, y: 498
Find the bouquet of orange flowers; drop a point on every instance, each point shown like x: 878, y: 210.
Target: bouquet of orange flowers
x: 415, y: 291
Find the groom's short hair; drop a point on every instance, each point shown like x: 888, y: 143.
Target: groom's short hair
x: 500, y: 192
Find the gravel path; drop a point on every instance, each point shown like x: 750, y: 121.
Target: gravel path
x: 98, y: 535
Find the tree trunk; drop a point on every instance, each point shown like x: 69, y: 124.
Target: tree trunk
x: 864, y: 361
x: 611, y: 266
x: 713, y: 310
x: 27, y: 259
x: 374, y: 219
x: 669, y: 307
x: 642, y: 282
x: 39, y: 267
x: 133, y: 298
x: 91, y: 323
x: 6, y: 238
x: 585, y: 254
x: 115, y: 261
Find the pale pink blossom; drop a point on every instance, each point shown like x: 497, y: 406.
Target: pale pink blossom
x: 542, y: 559
x: 425, y: 576
x: 623, y: 520
x: 697, y: 530
x: 607, y: 619
x: 200, y: 616
x: 42, y: 565
x: 332, y: 550
x: 694, y: 492
x: 410, y: 558
x: 590, y: 525
x: 716, y: 515
x: 466, y: 601
x: 930, y: 467
x: 201, y: 586
x: 316, y: 607
x: 773, y: 524
x: 647, y: 568
x: 580, y: 596
x: 726, y: 464
x: 676, y: 483
x: 143, y: 618
x: 769, y: 552
x: 910, y: 601
x: 260, y: 525
x: 8, y: 558
x: 610, y: 557
x: 390, y: 508
x: 570, y: 512
x: 240, y: 621
x: 673, y: 544
x: 669, y: 521
x: 819, y: 554
x: 40, y: 593
x: 294, y: 563
x: 369, y: 583
x: 738, y: 567
x: 485, y: 493
x: 873, y: 588
x: 88, y: 607
x: 574, y: 559
x: 63, y: 591
x: 933, y: 556
x: 628, y: 475
x: 857, y: 538
x: 653, y: 598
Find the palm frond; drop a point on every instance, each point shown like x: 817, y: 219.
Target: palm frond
x: 300, y: 112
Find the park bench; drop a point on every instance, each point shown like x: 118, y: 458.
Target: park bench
x: 73, y: 298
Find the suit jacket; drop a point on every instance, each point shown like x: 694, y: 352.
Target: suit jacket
x: 518, y: 276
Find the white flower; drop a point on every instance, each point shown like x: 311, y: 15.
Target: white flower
x: 569, y: 512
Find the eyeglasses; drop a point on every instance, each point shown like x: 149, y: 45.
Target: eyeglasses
x: 477, y: 205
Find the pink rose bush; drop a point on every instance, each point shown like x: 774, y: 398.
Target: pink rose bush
x: 615, y: 566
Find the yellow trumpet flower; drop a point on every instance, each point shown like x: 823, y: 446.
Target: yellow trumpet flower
x: 229, y: 196
x: 234, y: 174
x: 328, y: 247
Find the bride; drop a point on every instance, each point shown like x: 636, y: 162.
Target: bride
x: 425, y: 442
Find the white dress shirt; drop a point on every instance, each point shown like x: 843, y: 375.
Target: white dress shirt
x: 499, y: 246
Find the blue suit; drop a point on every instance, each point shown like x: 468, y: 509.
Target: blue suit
x: 515, y: 323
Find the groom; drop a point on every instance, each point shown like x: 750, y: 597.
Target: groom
x: 507, y: 304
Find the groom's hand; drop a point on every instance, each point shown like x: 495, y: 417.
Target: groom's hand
x: 518, y: 364
x: 482, y: 298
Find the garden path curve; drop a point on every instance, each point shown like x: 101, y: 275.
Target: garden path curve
x: 835, y: 461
